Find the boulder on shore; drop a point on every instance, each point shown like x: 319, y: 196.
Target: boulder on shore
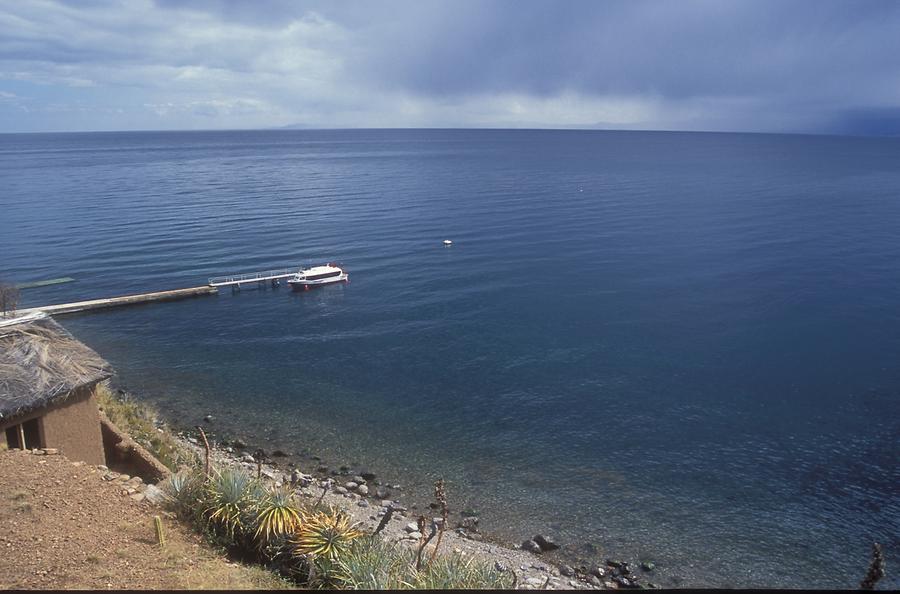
x: 546, y: 545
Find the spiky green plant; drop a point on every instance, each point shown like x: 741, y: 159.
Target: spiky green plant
x: 185, y: 490
x: 371, y: 563
x: 229, y: 497
x: 277, y: 513
x: 324, y: 534
x: 456, y: 572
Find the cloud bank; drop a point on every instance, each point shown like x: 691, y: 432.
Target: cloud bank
x: 754, y: 65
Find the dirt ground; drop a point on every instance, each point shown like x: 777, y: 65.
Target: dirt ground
x: 63, y: 527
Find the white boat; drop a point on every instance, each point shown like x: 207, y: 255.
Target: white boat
x: 317, y: 276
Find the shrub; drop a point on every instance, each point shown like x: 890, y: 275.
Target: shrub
x: 371, y: 563
x: 229, y: 500
x: 277, y: 514
x: 324, y: 535
x: 185, y: 491
x: 456, y: 572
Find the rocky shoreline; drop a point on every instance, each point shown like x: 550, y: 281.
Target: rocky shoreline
x: 538, y: 563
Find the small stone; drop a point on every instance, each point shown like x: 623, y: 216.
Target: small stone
x: 623, y: 581
x: 154, y: 494
x: 122, y: 478
x: 362, y: 490
x: 359, y: 480
x: 532, y: 547
x: 362, y: 503
x: 239, y: 444
x: 138, y: 497
x: 500, y: 567
x: 414, y: 535
x: 340, y: 490
x: 567, y: 570
x: 192, y: 440
x: 595, y: 581
x: 387, y: 503
x: 322, y: 468
x: 598, y: 571
x: 208, y: 418
x: 609, y: 585
x: 248, y: 458
x: 535, y: 581
x: 469, y: 523
x: 411, y: 527
x: 102, y: 467
x: 648, y: 565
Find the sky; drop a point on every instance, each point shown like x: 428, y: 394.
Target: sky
x: 808, y: 66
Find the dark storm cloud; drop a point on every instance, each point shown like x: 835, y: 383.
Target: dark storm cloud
x: 674, y: 49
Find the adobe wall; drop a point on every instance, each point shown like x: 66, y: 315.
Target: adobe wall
x: 123, y: 454
x: 73, y: 427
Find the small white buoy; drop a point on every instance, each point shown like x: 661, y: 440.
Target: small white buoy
x: 448, y: 242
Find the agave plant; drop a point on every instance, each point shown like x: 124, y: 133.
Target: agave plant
x: 372, y: 563
x: 184, y: 489
x: 229, y: 496
x: 455, y: 572
x: 277, y: 514
x: 324, y: 535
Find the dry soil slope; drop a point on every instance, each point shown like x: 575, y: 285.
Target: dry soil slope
x: 63, y: 527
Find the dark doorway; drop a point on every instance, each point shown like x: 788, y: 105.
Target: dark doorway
x: 25, y: 436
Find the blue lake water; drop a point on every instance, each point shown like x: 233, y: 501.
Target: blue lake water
x: 680, y: 347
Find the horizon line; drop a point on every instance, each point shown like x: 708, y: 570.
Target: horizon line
x: 303, y: 128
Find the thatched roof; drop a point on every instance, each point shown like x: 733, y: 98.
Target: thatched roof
x: 41, y: 363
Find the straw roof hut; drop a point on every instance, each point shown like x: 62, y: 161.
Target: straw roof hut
x: 47, y: 380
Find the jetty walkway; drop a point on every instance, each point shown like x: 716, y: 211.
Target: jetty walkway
x: 65, y: 308
x: 211, y: 288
